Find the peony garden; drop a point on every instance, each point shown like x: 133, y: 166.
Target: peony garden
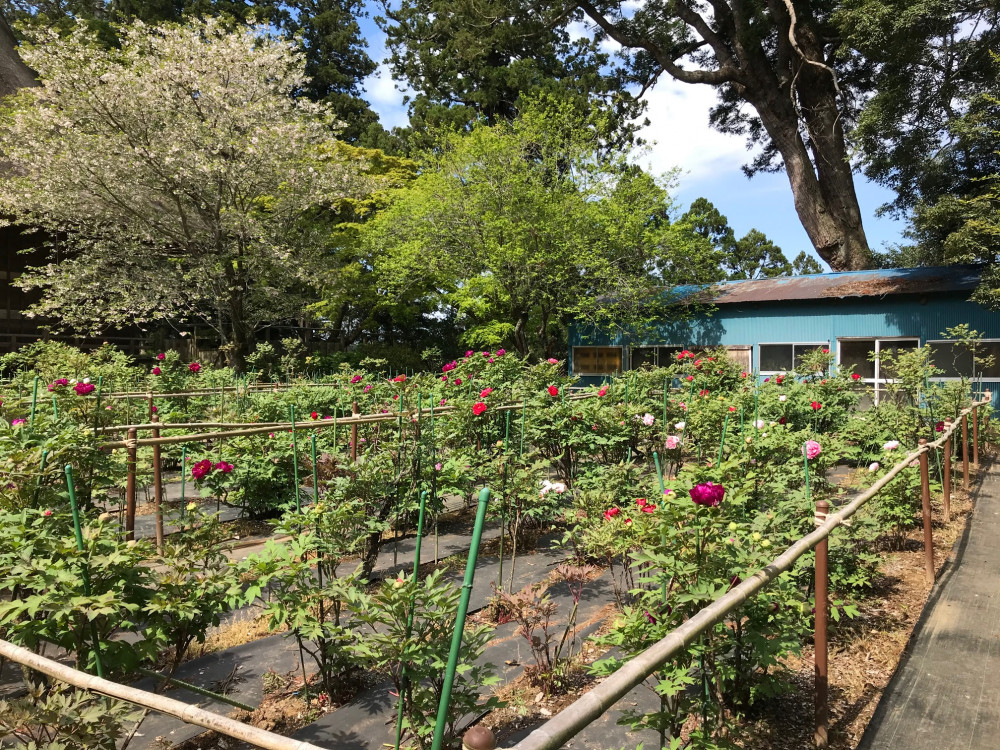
x: 477, y: 544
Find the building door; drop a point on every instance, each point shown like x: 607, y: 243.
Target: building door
x: 861, y: 355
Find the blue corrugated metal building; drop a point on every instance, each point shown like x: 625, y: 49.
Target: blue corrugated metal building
x: 767, y: 324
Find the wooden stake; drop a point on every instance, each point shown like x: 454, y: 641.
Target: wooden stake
x: 947, y: 472
x: 925, y: 503
x: 158, y: 488
x: 819, y: 632
x: 130, y: 443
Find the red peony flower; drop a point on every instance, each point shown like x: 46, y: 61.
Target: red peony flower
x: 816, y: 405
x: 314, y: 415
x: 611, y: 513
x: 82, y: 389
x: 156, y: 371
x: 161, y: 356
x: 485, y: 392
x: 855, y: 376
x: 201, y: 469
x: 553, y: 390
x: 194, y: 367
x: 478, y: 408
x: 603, y: 391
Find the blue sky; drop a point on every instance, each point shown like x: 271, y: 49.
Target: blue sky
x: 709, y: 161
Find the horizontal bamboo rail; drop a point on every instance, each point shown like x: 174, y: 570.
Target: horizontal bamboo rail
x: 592, y: 705
x: 187, y: 713
x: 259, y: 429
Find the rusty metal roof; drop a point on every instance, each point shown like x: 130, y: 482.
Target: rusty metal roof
x: 876, y: 283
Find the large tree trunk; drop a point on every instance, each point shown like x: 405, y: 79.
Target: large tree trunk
x: 784, y: 73
x: 14, y: 74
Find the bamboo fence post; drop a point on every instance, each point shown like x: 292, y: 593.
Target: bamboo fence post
x: 925, y: 503
x: 354, y: 434
x: 132, y: 449
x: 946, y: 479
x: 819, y: 632
x: 965, y: 452
x: 158, y: 488
x: 187, y: 713
x: 975, y: 438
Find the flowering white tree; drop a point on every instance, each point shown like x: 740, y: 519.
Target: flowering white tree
x: 177, y: 174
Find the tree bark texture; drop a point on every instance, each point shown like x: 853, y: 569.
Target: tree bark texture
x: 787, y: 76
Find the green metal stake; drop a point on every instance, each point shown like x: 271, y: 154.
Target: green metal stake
x: 463, y: 607
x: 184, y: 452
x: 41, y: 473
x: 34, y: 400
x: 97, y: 409
x: 664, y: 403
x: 663, y: 533
x: 315, y: 471
x: 805, y: 460
x: 659, y: 472
x: 524, y: 411
x: 55, y: 409
x: 722, y: 445
x: 85, y: 572
x: 295, y: 460
x: 409, y: 617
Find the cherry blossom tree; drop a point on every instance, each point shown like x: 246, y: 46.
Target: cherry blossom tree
x: 178, y: 177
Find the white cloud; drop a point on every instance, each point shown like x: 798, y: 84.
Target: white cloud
x: 386, y: 98
x: 680, y: 136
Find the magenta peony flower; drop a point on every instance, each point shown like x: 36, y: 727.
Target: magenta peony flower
x: 356, y: 379
x: 707, y: 493
x: 500, y: 352
x: 811, y: 449
x: 17, y: 422
x: 201, y: 469
x: 552, y: 361
x: 156, y: 370
x: 224, y: 467
x: 161, y: 356
x: 82, y: 389
x: 194, y: 367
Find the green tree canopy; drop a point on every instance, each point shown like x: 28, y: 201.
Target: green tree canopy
x: 519, y: 226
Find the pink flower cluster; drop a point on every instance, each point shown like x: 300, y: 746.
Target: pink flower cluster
x: 811, y: 449
x: 58, y: 383
x: 356, y: 379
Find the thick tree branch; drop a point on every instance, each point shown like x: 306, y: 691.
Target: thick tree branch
x: 724, y: 74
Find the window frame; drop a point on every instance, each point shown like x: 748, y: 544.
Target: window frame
x: 878, y: 380
x: 619, y: 347
x: 793, y: 344
x: 656, y: 356
x: 975, y: 377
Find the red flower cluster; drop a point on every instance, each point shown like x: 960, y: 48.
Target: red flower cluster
x: 939, y: 427
x: 685, y: 355
x: 478, y: 408
x: 644, y: 505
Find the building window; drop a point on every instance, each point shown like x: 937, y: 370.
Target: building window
x: 957, y: 361
x: 597, y: 360
x: 784, y: 357
x: 653, y: 356
x: 861, y: 356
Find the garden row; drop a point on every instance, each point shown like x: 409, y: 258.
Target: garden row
x: 683, y: 479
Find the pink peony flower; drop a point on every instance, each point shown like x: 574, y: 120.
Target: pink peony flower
x: 648, y: 419
x: 811, y: 449
x: 47, y: 513
x: 469, y: 353
x: 17, y: 422
x: 603, y: 391
x: 552, y: 361
x: 873, y: 466
x: 194, y: 367
x: 485, y: 392
x: 224, y: 467
x: 500, y: 352
x: 689, y: 378
x: 708, y: 494
x: 672, y: 442
x: 891, y: 445
x: 437, y: 467
x: 368, y: 388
